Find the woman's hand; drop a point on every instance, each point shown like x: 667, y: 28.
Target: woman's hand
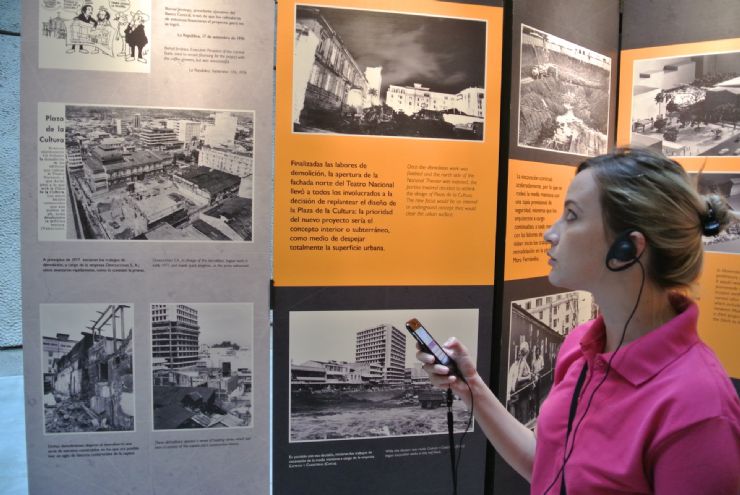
x: 441, y: 375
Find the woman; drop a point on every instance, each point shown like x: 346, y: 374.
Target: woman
x: 656, y: 412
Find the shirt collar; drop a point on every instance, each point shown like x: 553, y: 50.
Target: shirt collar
x: 646, y: 356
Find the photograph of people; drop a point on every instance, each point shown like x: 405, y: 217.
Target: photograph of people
x: 650, y: 408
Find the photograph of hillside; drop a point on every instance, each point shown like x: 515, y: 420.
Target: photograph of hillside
x: 563, y: 95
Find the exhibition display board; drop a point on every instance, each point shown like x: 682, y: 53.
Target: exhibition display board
x: 562, y: 110
x: 386, y: 170
x: 678, y: 94
x: 146, y: 176
x: 230, y: 211
x: 386, y: 143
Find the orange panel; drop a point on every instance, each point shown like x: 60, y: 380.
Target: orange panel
x: 432, y: 221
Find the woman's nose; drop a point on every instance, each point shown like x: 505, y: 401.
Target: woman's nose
x: 551, y: 236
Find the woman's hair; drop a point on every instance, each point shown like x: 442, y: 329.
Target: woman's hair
x: 654, y: 195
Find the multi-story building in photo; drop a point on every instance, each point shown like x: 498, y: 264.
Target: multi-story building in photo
x: 175, y: 334
x: 222, y: 131
x: 107, y: 166
x: 413, y: 99
x: 226, y: 160
x: 159, y: 138
x: 54, y: 348
x: 74, y: 159
x: 206, y: 186
x: 386, y: 345
x: 325, y: 74
x: 561, y: 312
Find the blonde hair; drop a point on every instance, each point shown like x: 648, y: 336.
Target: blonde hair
x: 654, y: 195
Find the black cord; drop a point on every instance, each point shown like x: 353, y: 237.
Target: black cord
x: 450, y: 429
x: 561, y: 471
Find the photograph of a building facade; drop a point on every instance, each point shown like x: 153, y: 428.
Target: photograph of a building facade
x: 538, y: 327
x: 687, y: 106
x: 88, y: 381
x: 367, y: 72
x: 563, y: 95
x: 159, y: 174
x: 202, y: 365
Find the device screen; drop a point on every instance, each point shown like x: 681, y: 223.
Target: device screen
x: 432, y: 345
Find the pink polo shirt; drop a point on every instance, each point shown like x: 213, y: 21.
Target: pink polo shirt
x: 665, y: 421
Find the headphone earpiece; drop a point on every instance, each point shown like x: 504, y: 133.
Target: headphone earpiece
x: 622, y: 250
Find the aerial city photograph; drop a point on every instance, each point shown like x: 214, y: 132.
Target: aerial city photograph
x: 687, y: 106
x: 160, y: 174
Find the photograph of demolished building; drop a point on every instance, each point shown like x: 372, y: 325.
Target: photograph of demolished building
x: 202, y: 365
x: 727, y: 186
x: 87, y: 356
x: 353, y: 374
x: 687, y: 106
x: 538, y: 327
x: 563, y: 95
x: 378, y: 73
x: 160, y: 174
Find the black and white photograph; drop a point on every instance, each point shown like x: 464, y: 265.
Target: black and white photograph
x: 538, y: 328
x: 365, y: 72
x: 354, y: 374
x: 728, y: 187
x: 202, y: 365
x: 687, y: 106
x: 563, y: 95
x: 88, y: 367
x: 161, y: 174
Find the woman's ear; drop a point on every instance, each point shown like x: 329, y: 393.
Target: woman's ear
x: 640, y: 242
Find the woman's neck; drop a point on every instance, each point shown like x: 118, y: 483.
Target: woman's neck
x: 653, y: 310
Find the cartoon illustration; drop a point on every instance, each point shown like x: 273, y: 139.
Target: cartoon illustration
x: 136, y: 37
x: 116, y: 29
x: 81, y: 28
x: 122, y: 23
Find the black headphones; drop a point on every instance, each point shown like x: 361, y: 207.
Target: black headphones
x: 623, y: 250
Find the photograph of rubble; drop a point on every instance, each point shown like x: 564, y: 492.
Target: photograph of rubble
x: 563, y: 95
x: 87, y: 358
x: 353, y: 374
x: 538, y: 328
x: 727, y: 186
x: 687, y: 106
x: 202, y: 365
x: 161, y: 174
x: 367, y: 72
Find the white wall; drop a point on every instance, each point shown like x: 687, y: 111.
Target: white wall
x: 10, y: 276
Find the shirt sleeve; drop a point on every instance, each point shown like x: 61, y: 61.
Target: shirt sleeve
x: 702, y: 458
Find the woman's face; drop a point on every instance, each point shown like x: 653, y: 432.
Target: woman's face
x: 577, y: 239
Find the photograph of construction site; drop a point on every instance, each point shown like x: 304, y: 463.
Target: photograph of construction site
x: 161, y: 174
x: 87, y: 358
x: 354, y: 374
x: 202, y: 365
x: 538, y: 327
x: 366, y: 72
x: 563, y: 95
x: 687, y: 106
x: 728, y: 187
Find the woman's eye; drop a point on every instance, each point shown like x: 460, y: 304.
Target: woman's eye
x: 570, y: 215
